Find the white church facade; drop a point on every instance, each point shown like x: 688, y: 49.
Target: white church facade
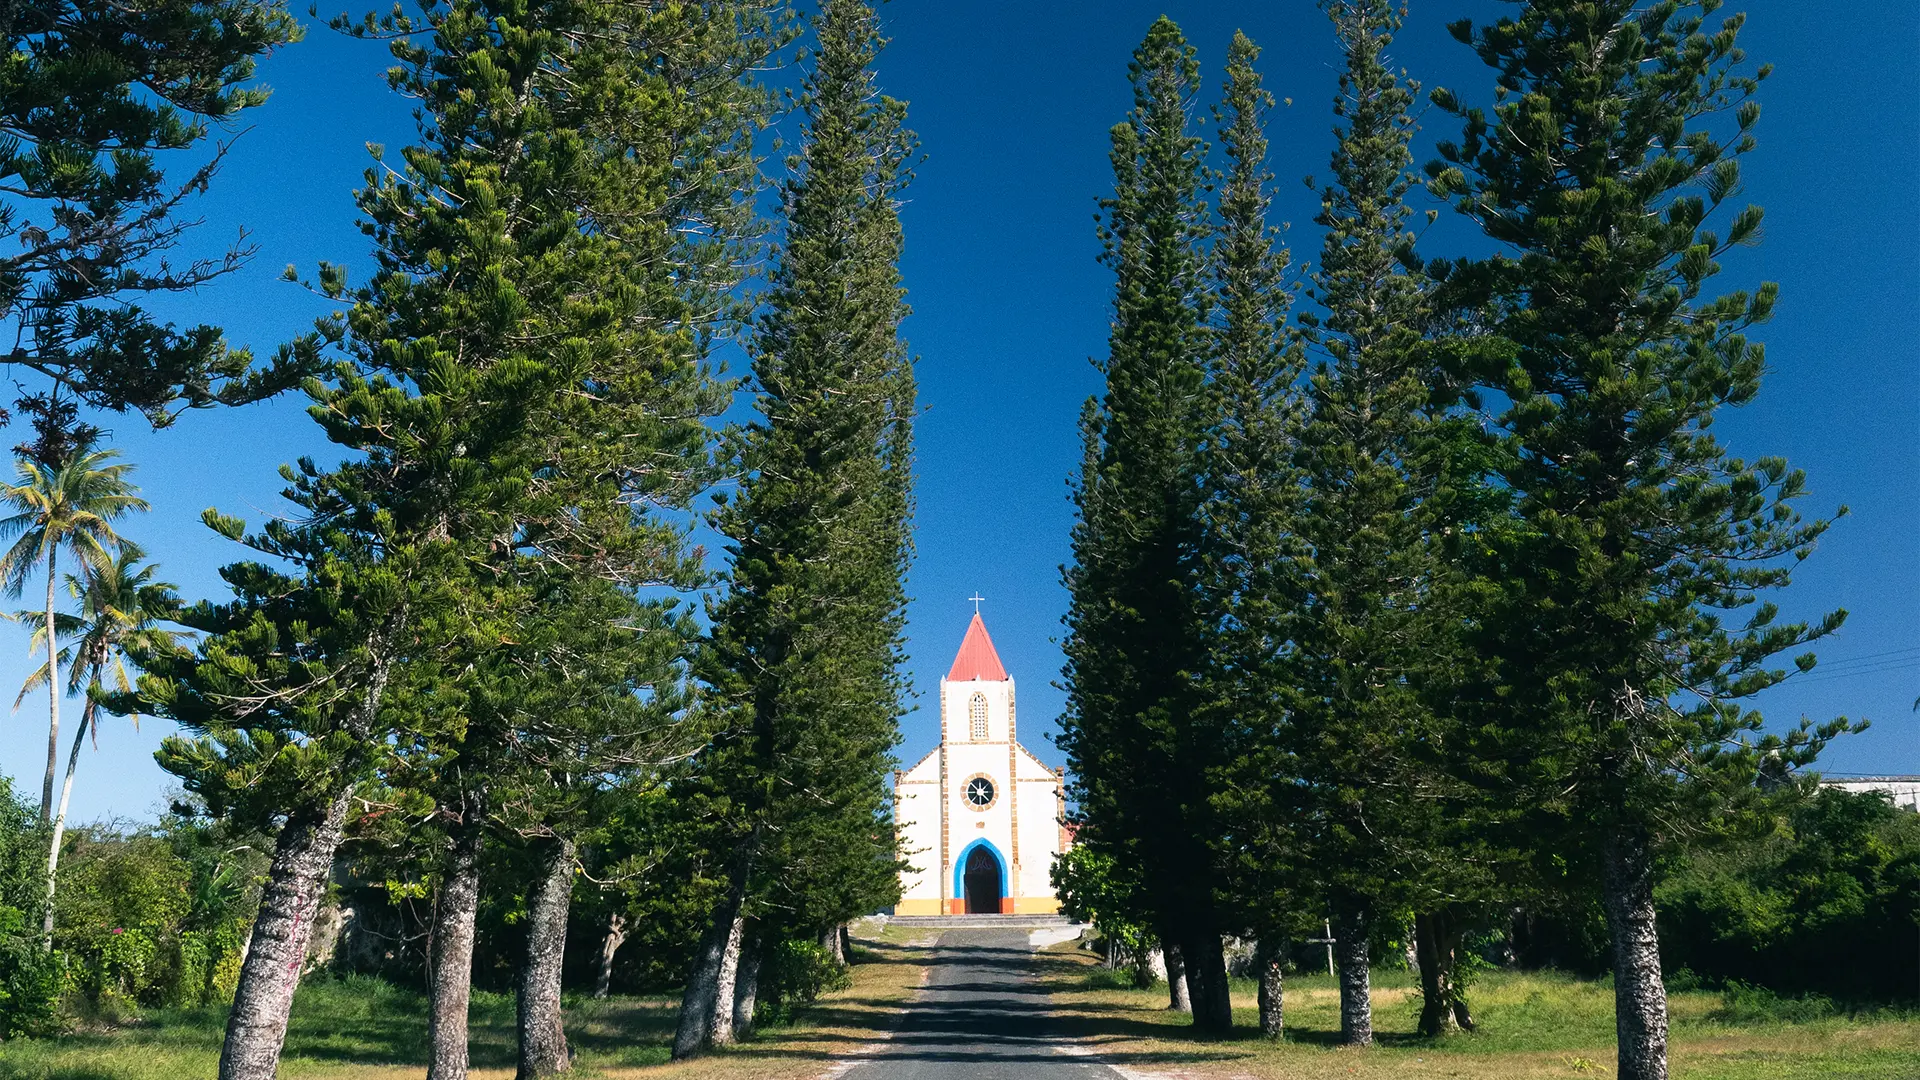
x: 980, y: 817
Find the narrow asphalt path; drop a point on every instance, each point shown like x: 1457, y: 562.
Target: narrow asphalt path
x: 979, y: 1017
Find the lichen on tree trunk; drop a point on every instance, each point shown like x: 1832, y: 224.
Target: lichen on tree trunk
x: 543, y: 1041
x: 1179, y: 996
x: 1639, y: 994
x: 276, y: 951
x: 1271, y: 970
x: 609, y: 945
x: 746, y: 988
x: 1356, y: 995
x: 720, y: 1022
x: 87, y: 714
x: 700, y: 998
x: 452, y: 971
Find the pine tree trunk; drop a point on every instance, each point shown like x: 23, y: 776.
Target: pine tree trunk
x: 1356, y: 996
x: 699, y: 999
x: 453, y: 918
x: 1207, y: 974
x: 60, y: 821
x: 1443, y: 1007
x: 1179, y: 990
x: 830, y: 941
x: 1436, y: 975
x: 1639, y: 994
x: 746, y: 989
x: 616, y: 937
x: 845, y: 931
x: 543, y: 1041
x: 720, y: 1023
x: 1270, y: 968
x: 276, y: 951
x: 1147, y: 965
x: 53, y: 699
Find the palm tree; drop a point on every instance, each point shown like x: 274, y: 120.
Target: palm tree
x: 121, y: 608
x: 71, y: 503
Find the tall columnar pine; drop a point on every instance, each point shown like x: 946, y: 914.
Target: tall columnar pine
x: 96, y: 96
x: 1252, y: 490
x: 515, y: 387
x: 1136, y: 730
x: 1615, y: 138
x: 1368, y: 623
x: 807, y: 639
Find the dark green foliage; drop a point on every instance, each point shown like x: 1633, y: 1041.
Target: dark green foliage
x: 1828, y: 903
x: 796, y: 973
x: 1623, y: 620
x: 645, y: 861
x: 1370, y: 627
x: 1635, y: 529
x: 1252, y: 488
x: 806, y: 643
x: 1135, y: 729
x: 93, y: 99
x: 121, y: 901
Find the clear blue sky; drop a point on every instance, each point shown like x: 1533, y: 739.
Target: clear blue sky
x: 1012, y: 102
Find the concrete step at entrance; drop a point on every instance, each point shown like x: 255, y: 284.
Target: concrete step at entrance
x: 1007, y: 922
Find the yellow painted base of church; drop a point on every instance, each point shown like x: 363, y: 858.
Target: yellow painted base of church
x: 1025, y: 905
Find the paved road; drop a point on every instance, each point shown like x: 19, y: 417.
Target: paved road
x: 980, y: 1017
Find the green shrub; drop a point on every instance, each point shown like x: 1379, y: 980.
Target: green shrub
x: 118, y: 912
x: 31, y: 979
x: 1829, y: 904
x: 793, y: 974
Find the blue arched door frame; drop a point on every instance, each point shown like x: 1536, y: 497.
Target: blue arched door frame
x: 960, y: 868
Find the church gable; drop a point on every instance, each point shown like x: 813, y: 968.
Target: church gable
x: 1039, y: 768
x: 981, y: 813
x: 926, y: 770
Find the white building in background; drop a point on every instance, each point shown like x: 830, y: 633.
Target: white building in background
x: 980, y: 816
x: 1905, y: 790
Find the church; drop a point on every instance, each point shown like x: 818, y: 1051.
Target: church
x: 980, y: 818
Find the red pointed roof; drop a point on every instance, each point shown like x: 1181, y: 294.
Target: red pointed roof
x: 976, y: 659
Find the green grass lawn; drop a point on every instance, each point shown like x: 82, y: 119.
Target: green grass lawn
x: 355, y: 1024
x: 366, y: 1028
x: 1530, y: 1025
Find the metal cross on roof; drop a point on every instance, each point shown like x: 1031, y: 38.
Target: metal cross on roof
x: 976, y: 598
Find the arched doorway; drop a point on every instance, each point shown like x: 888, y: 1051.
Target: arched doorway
x: 982, y: 877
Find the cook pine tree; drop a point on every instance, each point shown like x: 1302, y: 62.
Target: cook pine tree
x: 807, y: 639
x: 1136, y: 731
x: 1252, y: 567
x: 90, y: 213
x: 511, y: 402
x: 1367, y: 623
x: 1629, y: 622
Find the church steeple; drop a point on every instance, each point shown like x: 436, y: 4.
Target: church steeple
x: 976, y: 658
